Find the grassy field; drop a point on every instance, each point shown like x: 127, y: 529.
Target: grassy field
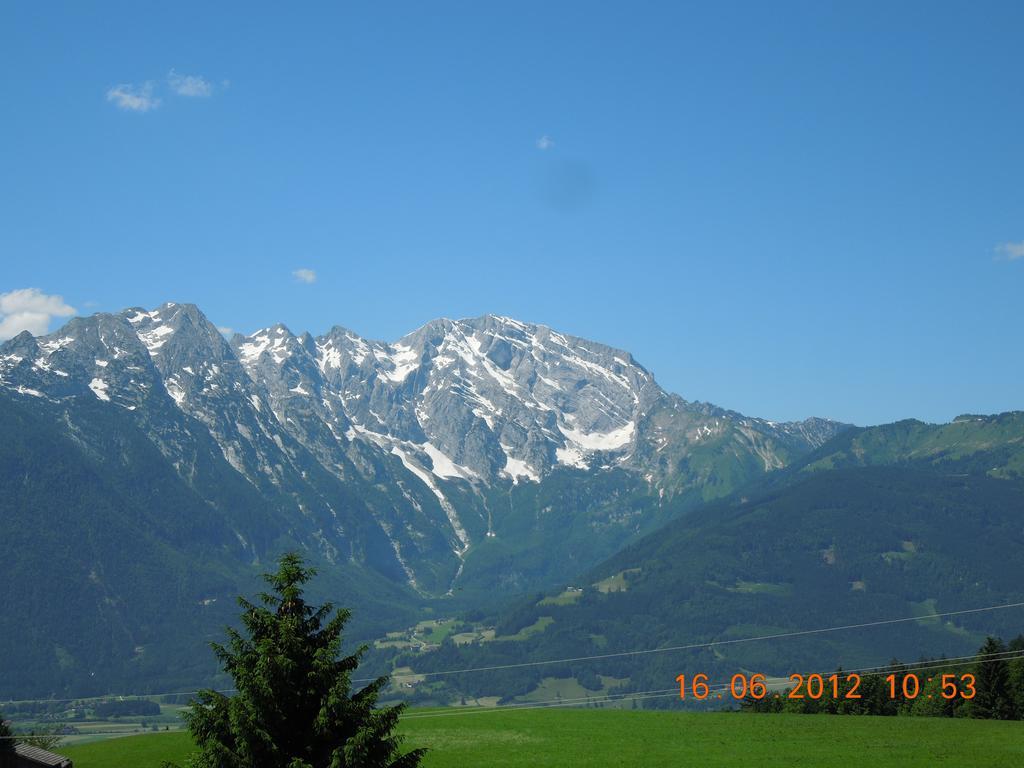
x: 568, y: 597
x: 536, y: 628
x: 563, y: 738
x: 616, y: 583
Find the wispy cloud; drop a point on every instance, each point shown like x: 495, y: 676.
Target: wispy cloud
x: 545, y: 142
x: 225, y: 331
x: 143, y: 98
x: 29, y: 309
x: 1010, y: 251
x: 189, y: 85
x: 133, y: 98
x: 307, y: 276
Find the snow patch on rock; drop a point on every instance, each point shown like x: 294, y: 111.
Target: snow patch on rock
x: 99, y: 388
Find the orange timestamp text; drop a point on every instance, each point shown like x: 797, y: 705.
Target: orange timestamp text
x: 816, y: 686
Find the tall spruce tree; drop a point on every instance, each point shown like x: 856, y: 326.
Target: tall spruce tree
x: 994, y: 700
x: 294, y: 707
x: 1017, y: 676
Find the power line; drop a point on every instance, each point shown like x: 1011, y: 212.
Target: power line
x: 864, y: 671
x: 607, y: 698
x: 695, y: 646
x: 520, y: 665
x: 661, y: 692
x: 664, y: 692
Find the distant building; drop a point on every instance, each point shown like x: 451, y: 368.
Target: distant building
x: 26, y: 756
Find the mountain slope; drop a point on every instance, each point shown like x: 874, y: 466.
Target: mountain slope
x: 493, y: 397
x: 816, y: 548
x: 469, y: 461
x: 117, y: 572
x: 403, y: 456
x: 993, y: 445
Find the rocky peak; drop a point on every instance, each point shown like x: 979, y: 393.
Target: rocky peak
x: 476, y: 399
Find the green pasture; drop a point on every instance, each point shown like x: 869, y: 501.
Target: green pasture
x: 605, y: 738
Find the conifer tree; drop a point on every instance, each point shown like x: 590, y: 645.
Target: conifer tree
x: 993, y: 700
x: 294, y: 706
x: 1017, y: 676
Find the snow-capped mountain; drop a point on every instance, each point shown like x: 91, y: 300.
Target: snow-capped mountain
x: 487, y: 398
x: 474, y: 399
x: 391, y: 453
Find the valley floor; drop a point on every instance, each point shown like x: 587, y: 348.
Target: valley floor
x: 563, y: 738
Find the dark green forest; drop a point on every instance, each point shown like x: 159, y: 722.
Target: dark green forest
x: 903, y: 520
x: 990, y: 688
x: 118, y: 573
x: 825, y: 549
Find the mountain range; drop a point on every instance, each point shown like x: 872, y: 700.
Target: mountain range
x: 452, y: 408
x: 154, y: 468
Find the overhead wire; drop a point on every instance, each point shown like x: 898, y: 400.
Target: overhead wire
x: 568, y: 660
x: 720, y: 687
x: 694, y: 646
x: 664, y: 692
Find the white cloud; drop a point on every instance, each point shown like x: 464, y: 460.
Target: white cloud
x: 132, y: 98
x: 225, y: 331
x: 1010, y: 251
x: 307, y: 276
x: 189, y: 85
x: 29, y: 309
x: 545, y: 142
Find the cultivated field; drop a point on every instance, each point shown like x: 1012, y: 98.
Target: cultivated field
x: 563, y: 738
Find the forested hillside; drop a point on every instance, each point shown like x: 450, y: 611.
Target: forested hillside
x: 153, y: 466
x: 116, y: 572
x: 814, y: 549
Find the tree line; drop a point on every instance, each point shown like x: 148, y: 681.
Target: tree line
x: 990, y: 687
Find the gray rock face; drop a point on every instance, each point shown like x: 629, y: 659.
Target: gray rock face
x: 386, y: 452
x: 477, y: 399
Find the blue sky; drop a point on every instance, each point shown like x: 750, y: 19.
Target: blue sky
x: 789, y: 209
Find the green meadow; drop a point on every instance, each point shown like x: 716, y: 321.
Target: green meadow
x: 553, y: 737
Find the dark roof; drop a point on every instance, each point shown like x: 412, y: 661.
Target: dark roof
x: 35, y: 756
